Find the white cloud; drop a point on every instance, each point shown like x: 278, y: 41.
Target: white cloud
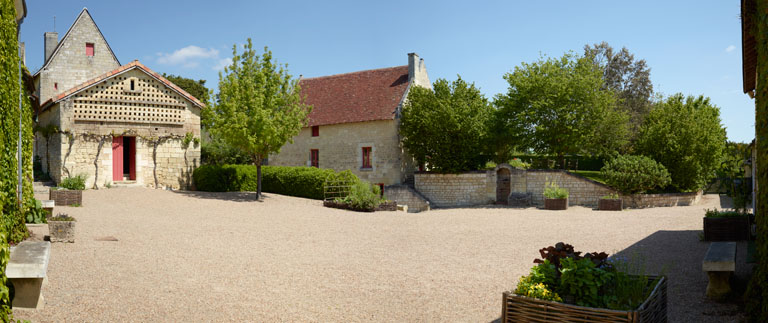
x: 188, y: 57
x: 730, y: 49
x: 221, y: 63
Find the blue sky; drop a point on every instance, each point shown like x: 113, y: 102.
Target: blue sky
x: 692, y: 47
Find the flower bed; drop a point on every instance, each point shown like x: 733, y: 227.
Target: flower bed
x: 609, y: 204
x: 518, y: 308
x: 66, y: 197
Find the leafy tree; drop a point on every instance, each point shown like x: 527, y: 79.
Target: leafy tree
x: 685, y: 135
x: 259, y: 106
x: 196, y: 88
x: 560, y: 107
x: 629, y: 78
x: 634, y: 174
x: 446, y: 128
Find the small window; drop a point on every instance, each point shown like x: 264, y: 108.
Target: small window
x: 55, y: 86
x: 88, y: 49
x: 314, y: 156
x: 315, y: 131
x: 367, y: 157
x: 132, y: 85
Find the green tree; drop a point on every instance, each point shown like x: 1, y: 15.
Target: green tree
x: 195, y: 88
x: 259, y: 106
x: 560, y: 107
x: 685, y: 135
x: 446, y: 128
x: 630, y: 79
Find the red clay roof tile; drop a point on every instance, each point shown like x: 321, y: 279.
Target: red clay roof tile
x: 355, y: 97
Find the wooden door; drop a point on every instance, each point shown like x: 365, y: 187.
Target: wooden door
x: 117, y: 158
x: 314, y: 157
x: 503, y: 186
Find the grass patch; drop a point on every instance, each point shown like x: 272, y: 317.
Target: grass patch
x: 591, y: 174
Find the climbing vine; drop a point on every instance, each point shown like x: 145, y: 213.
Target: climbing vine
x: 757, y: 294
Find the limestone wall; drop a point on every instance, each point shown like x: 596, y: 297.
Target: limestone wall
x: 450, y: 190
x: 340, y: 148
x: 581, y: 190
x: 660, y: 200
x: 405, y: 195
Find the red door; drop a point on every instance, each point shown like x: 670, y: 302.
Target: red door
x: 117, y: 158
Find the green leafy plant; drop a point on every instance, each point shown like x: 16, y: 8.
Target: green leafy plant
x: 519, y: 164
x: 714, y: 213
x: 612, y: 196
x: 528, y: 287
x: 36, y: 214
x: 554, y: 191
x: 363, y: 196
x: 583, y: 280
x: 62, y: 217
x: 73, y: 183
x: 634, y: 174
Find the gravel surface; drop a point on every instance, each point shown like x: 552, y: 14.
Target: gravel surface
x: 195, y: 256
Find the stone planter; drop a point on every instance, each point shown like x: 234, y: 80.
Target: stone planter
x: 517, y: 308
x: 556, y: 204
x: 610, y: 204
x: 66, y: 197
x: 734, y: 228
x: 387, y: 206
x: 62, y: 231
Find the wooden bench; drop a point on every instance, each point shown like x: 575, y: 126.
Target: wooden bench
x: 719, y: 264
x: 26, y: 270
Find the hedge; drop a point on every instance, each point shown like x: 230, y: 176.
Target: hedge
x: 294, y: 181
x: 573, y: 162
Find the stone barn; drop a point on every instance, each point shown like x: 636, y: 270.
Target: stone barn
x: 113, y: 123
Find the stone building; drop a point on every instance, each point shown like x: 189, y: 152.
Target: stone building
x: 354, y: 123
x: 116, y: 124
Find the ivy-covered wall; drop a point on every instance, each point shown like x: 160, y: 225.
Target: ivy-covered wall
x: 757, y: 295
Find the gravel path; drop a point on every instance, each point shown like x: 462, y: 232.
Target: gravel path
x: 194, y: 256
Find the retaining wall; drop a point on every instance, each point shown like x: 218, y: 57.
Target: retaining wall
x: 449, y: 190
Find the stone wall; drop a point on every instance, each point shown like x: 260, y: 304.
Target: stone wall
x: 450, y: 190
x: 660, y: 200
x: 340, y: 148
x: 581, y: 191
x: 405, y: 195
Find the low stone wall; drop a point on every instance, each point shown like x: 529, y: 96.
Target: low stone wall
x: 405, y: 195
x: 450, y: 190
x: 659, y: 200
x: 582, y: 191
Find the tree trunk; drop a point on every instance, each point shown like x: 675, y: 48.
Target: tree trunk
x: 258, y: 180
x: 561, y: 160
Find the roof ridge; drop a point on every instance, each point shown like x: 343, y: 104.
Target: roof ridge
x: 355, y: 72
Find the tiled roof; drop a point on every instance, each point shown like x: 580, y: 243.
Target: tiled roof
x: 121, y: 70
x: 355, y: 97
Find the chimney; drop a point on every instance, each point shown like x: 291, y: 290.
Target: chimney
x: 23, y: 53
x: 51, y: 41
x: 413, y: 60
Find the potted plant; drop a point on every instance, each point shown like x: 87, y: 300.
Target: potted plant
x: 69, y: 191
x: 555, y: 197
x: 726, y: 225
x: 565, y: 286
x: 610, y: 202
x: 62, y: 228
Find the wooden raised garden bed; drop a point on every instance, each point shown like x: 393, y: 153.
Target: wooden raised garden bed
x: 66, y: 197
x: 525, y: 309
x: 610, y: 204
x: 556, y: 204
x: 734, y: 228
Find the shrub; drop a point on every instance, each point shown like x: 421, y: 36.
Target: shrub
x: 553, y: 191
x: 635, y: 174
x: 74, y: 183
x: 294, y: 181
x: 36, y: 213
x: 685, y: 135
x: 217, y: 152
x: 363, y: 196
x: 612, y: 196
x: 723, y: 214
x: 519, y: 164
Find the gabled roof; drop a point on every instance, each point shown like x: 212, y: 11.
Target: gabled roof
x: 355, y: 97
x: 748, y: 45
x: 64, y: 39
x: 120, y: 70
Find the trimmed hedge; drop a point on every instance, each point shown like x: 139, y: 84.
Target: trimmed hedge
x: 294, y: 181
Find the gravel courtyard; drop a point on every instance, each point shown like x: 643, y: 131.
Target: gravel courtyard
x: 195, y: 256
